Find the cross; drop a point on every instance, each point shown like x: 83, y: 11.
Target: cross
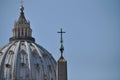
x: 61, y: 41
x: 61, y: 32
x: 21, y: 1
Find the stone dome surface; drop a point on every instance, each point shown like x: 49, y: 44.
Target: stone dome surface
x: 23, y: 59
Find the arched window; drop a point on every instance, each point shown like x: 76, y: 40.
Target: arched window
x: 10, y: 57
x: 45, y: 77
x: 23, y: 57
x: 35, y: 53
x: 49, y: 68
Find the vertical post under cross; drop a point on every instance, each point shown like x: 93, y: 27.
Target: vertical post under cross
x: 61, y: 41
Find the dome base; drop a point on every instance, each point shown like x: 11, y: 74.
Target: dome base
x: 27, y: 39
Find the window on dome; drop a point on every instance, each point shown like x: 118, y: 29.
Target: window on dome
x: 23, y: 58
x: 10, y: 56
x: 37, y: 64
x: 44, y: 55
x: 8, y: 65
x: 23, y: 47
x: 11, y: 52
x: 35, y: 52
x: 45, y: 77
x: 49, y: 68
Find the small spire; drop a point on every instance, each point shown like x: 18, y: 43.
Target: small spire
x: 22, y: 17
x: 21, y: 7
x: 61, y: 41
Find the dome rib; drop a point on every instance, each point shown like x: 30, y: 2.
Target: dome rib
x: 3, y: 58
x: 29, y: 58
x: 16, y: 57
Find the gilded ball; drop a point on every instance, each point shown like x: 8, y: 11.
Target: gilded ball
x: 21, y: 8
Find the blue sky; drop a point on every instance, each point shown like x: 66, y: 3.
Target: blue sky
x: 92, y: 38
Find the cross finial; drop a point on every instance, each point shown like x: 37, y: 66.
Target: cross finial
x: 61, y: 32
x: 61, y: 41
x: 21, y: 1
x: 21, y: 7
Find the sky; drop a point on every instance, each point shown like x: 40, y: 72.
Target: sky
x: 92, y: 38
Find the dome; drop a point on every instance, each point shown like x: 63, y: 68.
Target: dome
x: 23, y: 59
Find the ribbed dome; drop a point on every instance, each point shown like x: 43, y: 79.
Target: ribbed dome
x: 23, y: 59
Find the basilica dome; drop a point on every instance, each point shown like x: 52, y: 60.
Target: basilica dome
x: 23, y: 58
